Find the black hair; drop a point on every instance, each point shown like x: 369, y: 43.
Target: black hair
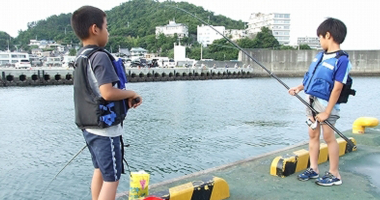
x: 335, y: 27
x: 83, y: 18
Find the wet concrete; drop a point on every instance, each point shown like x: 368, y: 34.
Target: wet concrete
x: 250, y: 178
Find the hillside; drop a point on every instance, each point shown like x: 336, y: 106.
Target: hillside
x: 130, y: 24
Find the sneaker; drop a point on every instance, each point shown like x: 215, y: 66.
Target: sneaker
x: 308, y: 174
x: 328, y: 180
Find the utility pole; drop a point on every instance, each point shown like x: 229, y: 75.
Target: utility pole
x: 201, y: 50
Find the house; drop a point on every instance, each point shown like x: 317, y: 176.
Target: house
x: 173, y: 28
x: 37, y: 52
x: 124, y: 52
x: 235, y: 34
x: 138, y: 51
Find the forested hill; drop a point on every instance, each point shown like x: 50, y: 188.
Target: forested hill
x: 130, y: 24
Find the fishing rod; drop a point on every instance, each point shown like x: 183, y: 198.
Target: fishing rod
x: 80, y: 151
x: 134, y: 101
x: 349, y: 142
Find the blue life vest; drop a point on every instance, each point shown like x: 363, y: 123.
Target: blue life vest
x: 319, y: 80
x: 92, y: 111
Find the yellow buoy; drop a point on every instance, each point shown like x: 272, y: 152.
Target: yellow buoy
x: 360, y: 123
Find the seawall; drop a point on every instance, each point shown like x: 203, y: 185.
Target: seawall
x: 296, y: 62
x: 283, y: 63
x: 61, y: 76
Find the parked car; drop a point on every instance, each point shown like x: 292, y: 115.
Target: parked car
x: 152, y: 63
x: 23, y: 64
x: 68, y: 61
x: 141, y: 62
x: 171, y: 63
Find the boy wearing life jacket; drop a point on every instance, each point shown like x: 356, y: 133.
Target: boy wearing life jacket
x: 323, y: 84
x: 101, y: 100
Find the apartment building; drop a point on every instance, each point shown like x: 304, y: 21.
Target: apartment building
x: 206, y: 35
x: 279, y: 23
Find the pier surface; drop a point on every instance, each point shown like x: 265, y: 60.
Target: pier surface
x: 250, y: 178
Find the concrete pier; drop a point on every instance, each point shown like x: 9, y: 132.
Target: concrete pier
x: 61, y: 76
x: 282, y: 63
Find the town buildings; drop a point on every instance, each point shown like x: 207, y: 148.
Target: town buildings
x: 173, y: 28
x: 206, y: 35
x: 235, y: 34
x: 279, y: 23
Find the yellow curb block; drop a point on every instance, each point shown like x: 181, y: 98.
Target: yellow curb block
x: 286, y: 165
x: 210, y: 188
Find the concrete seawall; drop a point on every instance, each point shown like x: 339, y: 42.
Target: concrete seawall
x: 296, y: 62
x: 61, y: 76
x: 283, y: 63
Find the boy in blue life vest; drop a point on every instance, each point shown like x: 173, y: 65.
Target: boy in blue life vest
x: 100, y: 100
x: 323, y: 84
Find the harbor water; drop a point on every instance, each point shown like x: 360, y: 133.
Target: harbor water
x: 181, y: 127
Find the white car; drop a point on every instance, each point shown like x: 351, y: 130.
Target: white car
x: 171, y: 64
x: 23, y: 64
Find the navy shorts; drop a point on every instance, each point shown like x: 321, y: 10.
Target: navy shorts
x: 105, y: 154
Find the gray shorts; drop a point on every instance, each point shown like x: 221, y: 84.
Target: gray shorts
x: 317, y: 105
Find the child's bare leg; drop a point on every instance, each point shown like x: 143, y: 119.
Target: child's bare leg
x: 108, y: 191
x: 333, y: 148
x: 96, y: 184
x: 314, y: 136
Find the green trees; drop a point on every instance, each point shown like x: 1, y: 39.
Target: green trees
x: 304, y: 47
x: 263, y: 39
x: 222, y: 50
x: 133, y: 24
x: 6, y: 41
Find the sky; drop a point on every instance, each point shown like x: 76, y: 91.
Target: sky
x: 361, y: 17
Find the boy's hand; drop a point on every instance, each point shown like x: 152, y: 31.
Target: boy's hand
x: 135, y: 101
x: 322, y: 116
x: 294, y: 90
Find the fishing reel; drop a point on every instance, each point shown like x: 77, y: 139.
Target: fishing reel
x: 311, y: 124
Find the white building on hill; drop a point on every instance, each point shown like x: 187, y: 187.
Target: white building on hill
x: 279, y: 23
x: 173, y: 28
x: 206, y: 35
x: 235, y: 34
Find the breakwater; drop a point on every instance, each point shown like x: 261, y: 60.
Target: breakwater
x: 296, y: 62
x: 62, y: 76
x: 283, y: 63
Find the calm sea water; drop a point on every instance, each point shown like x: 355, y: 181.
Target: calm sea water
x: 181, y: 127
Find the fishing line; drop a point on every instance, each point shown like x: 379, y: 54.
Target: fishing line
x: 350, y: 143
x: 80, y: 151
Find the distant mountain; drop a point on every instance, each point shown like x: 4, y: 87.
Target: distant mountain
x: 135, y: 20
